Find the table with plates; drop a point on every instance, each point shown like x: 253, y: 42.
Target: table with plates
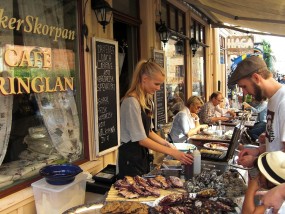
x: 251, y: 118
x: 203, y: 137
x: 248, y: 123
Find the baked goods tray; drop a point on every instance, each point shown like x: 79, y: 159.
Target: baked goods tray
x: 113, y: 195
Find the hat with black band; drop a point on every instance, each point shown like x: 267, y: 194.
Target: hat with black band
x: 272, y: 166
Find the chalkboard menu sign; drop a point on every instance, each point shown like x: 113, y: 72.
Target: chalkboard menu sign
x: 160, y: 95
x: 106, y: 95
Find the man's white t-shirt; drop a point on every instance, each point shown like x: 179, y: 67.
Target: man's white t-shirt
x: 275, y: 127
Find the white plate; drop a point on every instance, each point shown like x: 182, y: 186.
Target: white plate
x: 217, y: 146
x: 229, y: 134
x: 209, y: 131
x: 184, y: 146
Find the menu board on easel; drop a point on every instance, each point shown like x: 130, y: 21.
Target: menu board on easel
x: 160, y: 95
x: 106, y: 95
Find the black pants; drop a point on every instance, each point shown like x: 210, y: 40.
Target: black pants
x: 257, y: 130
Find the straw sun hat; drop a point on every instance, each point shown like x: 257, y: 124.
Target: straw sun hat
x: 272, y: 166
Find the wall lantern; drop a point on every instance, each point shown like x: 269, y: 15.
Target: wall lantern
x: 179, y: 47
x: 103, y: 12
x: 194, y: 45
x: 163, y: 31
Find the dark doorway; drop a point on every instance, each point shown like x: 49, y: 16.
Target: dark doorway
x: 127, y: 37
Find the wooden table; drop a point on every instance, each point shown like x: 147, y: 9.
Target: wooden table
x: 212, y: 138
x: 209, y: 138
x: 248, y: 124
x: 252, y: 118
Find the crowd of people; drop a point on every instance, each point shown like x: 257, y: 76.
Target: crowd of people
x: 254, y: 78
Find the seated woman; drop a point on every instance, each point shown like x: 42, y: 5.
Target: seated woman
x: 186, y: 122
x: 271, y: 166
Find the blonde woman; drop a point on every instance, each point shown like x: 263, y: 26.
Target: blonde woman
x: 186, y: 122
x: 136, y: 134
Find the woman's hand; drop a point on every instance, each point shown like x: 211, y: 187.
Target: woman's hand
x: 224, y: 118
x: 195, y: 116
x: 184, y: 158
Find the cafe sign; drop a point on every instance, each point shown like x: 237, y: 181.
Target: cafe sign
x: 35, y: 69
x: 239, y: 45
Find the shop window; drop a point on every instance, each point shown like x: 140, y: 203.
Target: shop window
x: 198, y: 61
x: 40, y: 90
x: 175, y: 77
x: 173, y: 17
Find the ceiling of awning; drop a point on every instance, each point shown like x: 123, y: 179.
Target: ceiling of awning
x: 266, y: 16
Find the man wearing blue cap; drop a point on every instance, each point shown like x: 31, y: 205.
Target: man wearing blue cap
x: 254, y: 78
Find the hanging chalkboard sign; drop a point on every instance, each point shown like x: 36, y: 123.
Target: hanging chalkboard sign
x: 160, y: 95
x: 106, y: 95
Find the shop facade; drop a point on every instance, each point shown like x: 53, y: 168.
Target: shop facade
x: 47, y: 79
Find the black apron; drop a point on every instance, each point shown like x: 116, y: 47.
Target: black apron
x: 133, y: 158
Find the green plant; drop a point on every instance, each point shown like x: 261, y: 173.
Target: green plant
x: 268, y: 57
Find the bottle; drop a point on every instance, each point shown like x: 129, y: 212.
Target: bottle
x: 197, y: 162
x: 219, y: 129
x: 189, y: 169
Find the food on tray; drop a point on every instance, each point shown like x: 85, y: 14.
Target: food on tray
x: 217, y: 146
x: 228, y: 184
x: 172, y: 199
x: 183, y: 203
x: 130, y: 180
x: 128, y: 194
x: 163, y: 181
x: 124, y: 207
x: 209, y: 151
x: 135, y: 187
x: 141, y: 181
x: 176, y: 182
x: 207, y: 193
x: 153, y: 182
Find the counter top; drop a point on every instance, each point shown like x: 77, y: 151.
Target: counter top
x: 91, y: 197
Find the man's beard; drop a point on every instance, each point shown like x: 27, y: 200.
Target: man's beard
x: 258, y: 95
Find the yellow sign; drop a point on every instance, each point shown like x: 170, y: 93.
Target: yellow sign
x: 31, y: 24
x: 36, y: 71
x: 36, y: 85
